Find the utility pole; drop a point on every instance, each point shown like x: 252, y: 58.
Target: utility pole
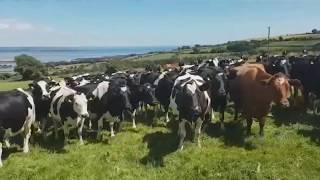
x: 268, y: 42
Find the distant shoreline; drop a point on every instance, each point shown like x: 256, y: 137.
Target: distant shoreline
x: 56, y: 54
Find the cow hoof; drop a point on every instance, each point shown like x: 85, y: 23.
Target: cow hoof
x: 134, y: 126
x: 112, y: 135
x: 181, y: 148
x: 25, y: 150
x: 1, y: 165
x: 81, y: 143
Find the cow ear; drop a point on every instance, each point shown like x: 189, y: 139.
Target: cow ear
x: 31, y: 85
x: 204, y: 86
x: 295, y: 83
x: 70, y: 99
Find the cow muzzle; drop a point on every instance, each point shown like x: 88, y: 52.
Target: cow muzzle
x: 85, y: 115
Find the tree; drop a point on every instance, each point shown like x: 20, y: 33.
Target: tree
x: 240, y: 46
x: 280, y: 38
x: 315, y: 31
x: 29, y: 67
x: 195, y: 50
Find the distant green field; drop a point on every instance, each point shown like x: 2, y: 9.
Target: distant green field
x: 289, y: 150
x: 5, y: 85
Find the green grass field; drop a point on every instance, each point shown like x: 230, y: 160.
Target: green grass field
x: 289, y: 150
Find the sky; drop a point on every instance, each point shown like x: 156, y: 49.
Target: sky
x: 150, y: 22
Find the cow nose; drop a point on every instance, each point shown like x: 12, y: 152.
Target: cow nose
x: 86, y: 115
x: 222, y: 92
x: 285, y: 104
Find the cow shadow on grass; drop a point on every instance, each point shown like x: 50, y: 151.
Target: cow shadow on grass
x: 16, y: 143
x: 313, y: 134
x: 234, y: 134
x: 160, y: 144
x: 289, y: 116
x: 50, y: 143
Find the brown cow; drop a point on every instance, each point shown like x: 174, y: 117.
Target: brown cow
x: 253, y: 91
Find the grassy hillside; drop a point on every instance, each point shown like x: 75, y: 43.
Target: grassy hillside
x: 289, y: 150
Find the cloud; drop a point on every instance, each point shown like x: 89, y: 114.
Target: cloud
x: 9, y: 24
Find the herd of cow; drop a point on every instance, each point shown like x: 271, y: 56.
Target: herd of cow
x: 194, y: 91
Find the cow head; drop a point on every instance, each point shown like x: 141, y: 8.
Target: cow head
x: 187, y: 100
x: 40, y: 89
x: 79, y: 103
x: 215, y: 81
x: 281, y: 86
x: 148, y: 94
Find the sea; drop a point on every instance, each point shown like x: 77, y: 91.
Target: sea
x: 50, y: 54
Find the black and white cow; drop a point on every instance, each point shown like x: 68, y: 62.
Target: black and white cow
x: 217, y: 83
x: 142, y: 91
x: 111, y: 100
x: 41, y: 95
x: 69, y: 108
x: 164, y: 85
x: 17, y: 114
x: 192, y: 101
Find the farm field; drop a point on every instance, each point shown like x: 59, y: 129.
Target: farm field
x: 289, y: 150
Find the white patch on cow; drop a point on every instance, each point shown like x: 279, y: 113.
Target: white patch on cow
x: 208, y: 101
x: 101, y: 89
x: 156, y: 82
x: 220, y: 74
x: 118, y: 72
x: 283, y: 61
x: 124, y: 89
x: 148, y: 87
x: 281, y: 80
x: 78, y: 76
x: 197, y: 79
x: 188, y: 66
x: 215, y: 62
x: 42, y: 85
x: 131, y: 75
x: 83, y: 82
x: 63, y: 93
x: 192, y: 87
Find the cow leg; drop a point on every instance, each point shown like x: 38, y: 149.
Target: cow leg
x: 43, y: 128
x: 7, y: 134
x: 55, y: 124
x: 198, y: 131
x: 100, y: 125
x: 134, y: 119
x: 261, y: 125
x: 222, y: 118
x: 182, y: 133
x: 166, y: 110
x: 80, y: 130
x: 236, y: 114
x: 0, y: 154
x: 27, y: 134
x: 111, y: 129
x: 212, y: 115
x: 249, y: 123
x: 66, y: 132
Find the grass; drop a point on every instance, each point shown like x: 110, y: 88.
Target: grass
x: 8, y: 85
x: 289, y: 150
